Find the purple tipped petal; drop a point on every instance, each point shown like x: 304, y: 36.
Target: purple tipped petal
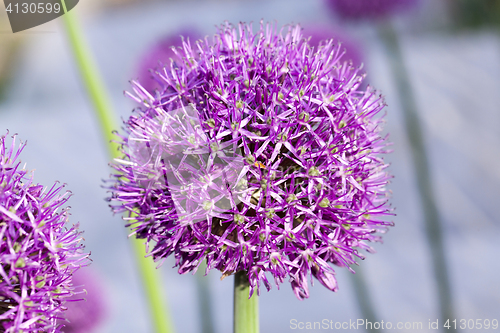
x: 299, y: 285
x: 325, y: 276
x: 261, y: 153
x: 38, y: 251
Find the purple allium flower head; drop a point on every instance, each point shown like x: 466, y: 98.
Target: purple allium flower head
x: 369, y: 9
x: 160, y: 54
x: 85, y: 316
x: 259, y: 154
x: 38, y: 254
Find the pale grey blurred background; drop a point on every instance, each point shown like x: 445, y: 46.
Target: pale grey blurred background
x: 456, y: 78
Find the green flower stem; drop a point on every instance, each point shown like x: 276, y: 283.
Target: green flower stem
x: 414, y: 131
x: 246, y: 311
x: 149, y: 274
x: 107, y: 120
x: 92, y: 80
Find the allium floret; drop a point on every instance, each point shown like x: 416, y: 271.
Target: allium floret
x: 38, y: 254
x: 259, y: 154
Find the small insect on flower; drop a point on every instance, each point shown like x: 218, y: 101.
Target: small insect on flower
x: 261, y: 154
x: 38, y: 253
x: 260, y: 165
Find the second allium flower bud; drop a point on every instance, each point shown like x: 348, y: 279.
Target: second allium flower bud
x: 39, y: 252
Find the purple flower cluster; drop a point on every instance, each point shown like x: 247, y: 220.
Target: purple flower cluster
x: 369, y: 9
x: 259, y: 154
x: 38, y: 255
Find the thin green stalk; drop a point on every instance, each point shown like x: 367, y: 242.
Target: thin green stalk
x: 433, y: 226
x: 92, y: 81
x: 149, y: 275
x: 246, y: 311
x: 108, y: 123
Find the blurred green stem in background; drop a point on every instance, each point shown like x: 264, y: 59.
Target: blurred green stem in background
x: 204, y: 300
x: 363, y: 297
x: 474, y: 13
x: 246, y: 311
x: 433, y: 228
x: 107, y: 120
x: 8, y: 54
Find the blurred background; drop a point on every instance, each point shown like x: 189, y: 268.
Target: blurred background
x: 451, y: 51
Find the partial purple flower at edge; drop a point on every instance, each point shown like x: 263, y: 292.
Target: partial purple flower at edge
x: 38, y: 252
x: 259, y: 155
x: 324, y: 33
x: 83, y: 316
x: 159, y: 55
x: 369, y: 9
